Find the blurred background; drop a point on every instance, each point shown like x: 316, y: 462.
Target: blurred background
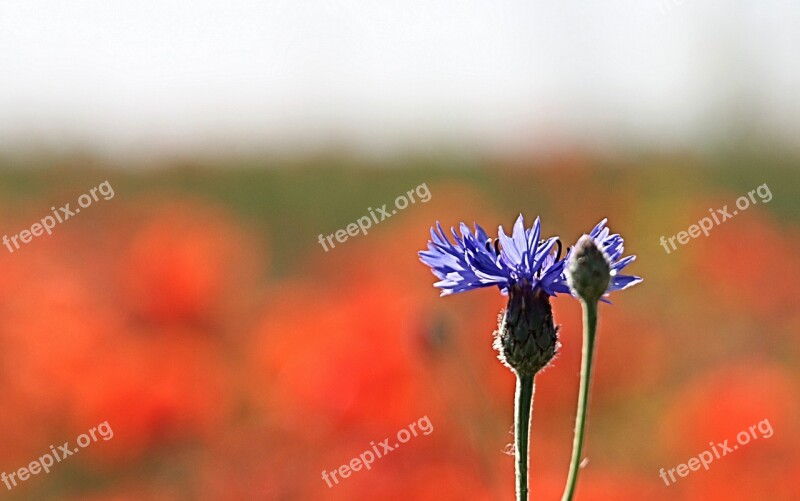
x: 235, y: 358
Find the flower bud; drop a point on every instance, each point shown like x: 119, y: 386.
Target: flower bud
x: 526, y: 338
x: 588, y: 270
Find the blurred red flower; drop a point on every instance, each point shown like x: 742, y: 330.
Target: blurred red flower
x: 185, y: 263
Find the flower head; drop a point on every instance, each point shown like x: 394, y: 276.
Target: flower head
x: 611, y: 247
x: 474, y: 260
x: 588, y: 270
x: 526, y: 338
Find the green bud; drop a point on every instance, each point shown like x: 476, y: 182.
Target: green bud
x: 588, y: 270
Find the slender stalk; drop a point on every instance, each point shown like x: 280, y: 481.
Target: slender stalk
x: 589, y: 329
x: 523, y: 402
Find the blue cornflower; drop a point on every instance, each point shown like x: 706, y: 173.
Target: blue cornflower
x: 529, y: 272
x: 612, y: 247
x: 474, y: 260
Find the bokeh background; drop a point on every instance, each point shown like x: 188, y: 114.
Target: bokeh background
x: 235, y: 359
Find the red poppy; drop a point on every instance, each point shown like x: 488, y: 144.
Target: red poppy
x: 181, y: 263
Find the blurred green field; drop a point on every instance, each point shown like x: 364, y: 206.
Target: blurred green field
x: 293, y: 200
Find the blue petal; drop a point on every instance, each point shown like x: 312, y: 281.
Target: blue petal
x: 620, y: 282
x: 508, y: 250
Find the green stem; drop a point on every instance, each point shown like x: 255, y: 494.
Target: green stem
x: 523, y: 402
x: 589, y: 329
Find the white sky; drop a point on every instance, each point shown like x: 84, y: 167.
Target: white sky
x: 179, y: 75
